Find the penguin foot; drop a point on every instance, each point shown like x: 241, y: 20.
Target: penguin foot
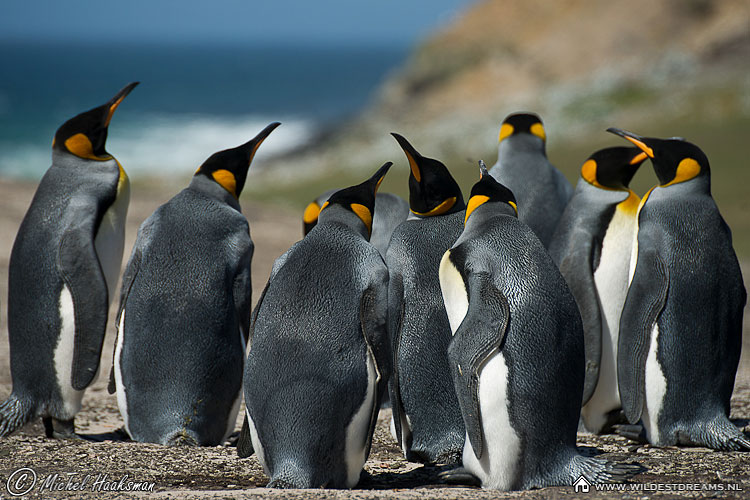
x: 119, y: 435
x: 461, y: 476
x: 613, y: 419
x: 633, y: 432
x: 232, y: 439
x: 721, y: 434
x: 59, y: 429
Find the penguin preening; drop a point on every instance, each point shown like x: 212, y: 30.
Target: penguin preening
x: 184, y: 313
x: 426, y: 417
x: 390, y: 211
x: 319, y: 356
x: 63, y: 271
x: 541, y: 189
x: 592, y: 246
x: 681, y: 325
x: 516, y: 355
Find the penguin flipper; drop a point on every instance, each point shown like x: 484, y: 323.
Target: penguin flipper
x: 646, y: 297
x: 245, y: 443
x: 80, y: 270
x: 578, y: 267
x: 480, y: 335
x: 242, y: 291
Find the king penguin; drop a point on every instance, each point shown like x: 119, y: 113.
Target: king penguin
x: 516, y: 355
x: 541, y: 189
x: 63, y: 271
x: 681, y: 325
x: 184, y: 313
x: 390, y: 211
x: 592, y: 246
x: 319, y: 356
x: 426, y: 417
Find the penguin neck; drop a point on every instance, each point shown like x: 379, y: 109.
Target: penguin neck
x: 64, y: 159
x: 700, y: 184
x: 486, y: 211
x: 211, y: 188
x: 340, y: 216
x: 520, y: 144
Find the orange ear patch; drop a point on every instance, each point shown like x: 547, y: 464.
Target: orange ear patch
x: 474, y: 202
x: 226, y: 179
x: 364, y: 214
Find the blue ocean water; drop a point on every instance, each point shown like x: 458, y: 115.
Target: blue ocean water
x: 192, y: 100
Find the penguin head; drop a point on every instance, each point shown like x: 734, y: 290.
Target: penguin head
x: 488, y: 190
x: 526, y: 127
x: 612, y: 168
x: 432, y: 189
x: 228, y: 168
x: 675, y: 160
x: 359, y: 199
x: 85, y: 135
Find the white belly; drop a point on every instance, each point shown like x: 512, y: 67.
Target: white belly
x: 110, y: 237
x: 499, y: 466
x: 358, y: 430
x: 122, y: 401
x: 611, y: 281
x: 63, y: 357
x: 455, y: 297
x: 257, y: 446
x: 656, y: 389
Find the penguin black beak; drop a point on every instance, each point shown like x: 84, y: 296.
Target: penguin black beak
x: 635, y: 139
x: 117, y: 99
x: 377, y: 179
x: 256, y: 141
x: 482, y: 169
x: 411, y: 154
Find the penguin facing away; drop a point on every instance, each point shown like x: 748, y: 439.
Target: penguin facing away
x: 592, y: 246
x: 427, y: 419
x: 63, y: 271
x: 541, y: 189
x: 517, y: 353
x: 681, y: 325
x: 390, y: 211
x: 319, y: 356
x: 184, y: 312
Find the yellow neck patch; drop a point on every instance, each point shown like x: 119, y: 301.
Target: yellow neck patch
x: 515, y: 207
x: 506, y: 130
x: 123, y: 179
x: 440, y: 209
x: 538, y: 130
x: 81, y: 146
x: 686, y: 170
x: 311, y: 213
x: 364, y: 214
x: 474, y: 202
x: 226, y: 179
x: 630, y: 204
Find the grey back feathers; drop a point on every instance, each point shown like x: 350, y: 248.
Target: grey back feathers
x: 183, y: 319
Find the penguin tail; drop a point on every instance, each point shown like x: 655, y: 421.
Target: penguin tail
x: 14, y: 413
x: 182, y: 437
x: 598, y: 470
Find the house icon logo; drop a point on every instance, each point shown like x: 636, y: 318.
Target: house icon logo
x: 582, y: 485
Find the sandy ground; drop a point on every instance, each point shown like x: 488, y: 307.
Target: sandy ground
x: 88, y: 469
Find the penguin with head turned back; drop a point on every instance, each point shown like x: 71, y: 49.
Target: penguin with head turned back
x: 681, y: 325
x: 390, y: 211
x: 322, y: 319
x: 592, y: 247
x: 426, y: 417
x: 184, y: 310
x: 541, y: 189
x: 517, y: 352
x: 63, y: 271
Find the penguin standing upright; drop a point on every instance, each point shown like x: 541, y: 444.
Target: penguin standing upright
x: 390, y: 211
x: 426, y: 417
x: 681, y: 325
x: 517, y: 352
x: 63, y: 271
x: 592, y: 246
x: 185, y: 310
x: 541, y: 189
x: 319, y: 356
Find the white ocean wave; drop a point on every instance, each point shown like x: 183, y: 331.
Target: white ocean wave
x: 163, y: 145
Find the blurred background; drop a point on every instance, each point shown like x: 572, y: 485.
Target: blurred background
x: 341, y: 75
